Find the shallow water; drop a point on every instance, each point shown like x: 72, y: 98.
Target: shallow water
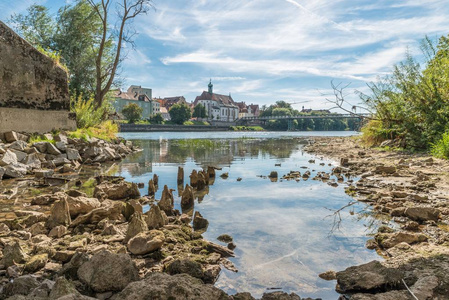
x: 283, y: 230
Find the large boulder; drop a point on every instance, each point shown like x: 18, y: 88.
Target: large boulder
x: 389, y: 240
x: 111, y: 210
x: 17, y: 170
x: 8, y: 158
x: 155, y: 217
x: 82, y: 205
x: 22, y: 285
x: 146, y: 242
x: 13, y: 254
x: 62, y: 287
x: 107, y: 271
x: 117, y: 191
x: 162, y: 286
x: 372, y: 276
x: 59, y: 214
x: 423, y: 213
x: 135, y: 226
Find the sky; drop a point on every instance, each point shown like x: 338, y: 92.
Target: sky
x: 262, y: 51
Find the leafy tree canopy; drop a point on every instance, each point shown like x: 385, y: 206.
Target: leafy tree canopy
x: 179, y: 113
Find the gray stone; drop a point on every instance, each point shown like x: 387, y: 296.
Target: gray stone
x: 36, y: 263
x: 61, y: 288
x: 43, y: 173
x: 8, y: 158
x: 22, y: 285
x: 73, y: 154
x: 17, y: 170
x: 21, y: 156
x: 13, y: 253
x: 32, y: 160
x: 2, y: 172
x: 117, y: 191
x: 51, y: 149
x: 135, y: 226
x: 146, y: 242
x: 162, y: 286
x: 61, y: 146
x: 18, y: 145
x: 389, y: 240
x: 82, y: 205
x: 60, y: 161
x: 106, y: 271
x: 186, y: 266
x: 58, y: 231
x: 11, y: 136
x: 41, y: 146
x: 155, y: 217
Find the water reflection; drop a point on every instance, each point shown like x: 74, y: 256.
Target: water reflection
x: 280, y: 229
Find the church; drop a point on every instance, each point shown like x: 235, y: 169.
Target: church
x: 218, y: 107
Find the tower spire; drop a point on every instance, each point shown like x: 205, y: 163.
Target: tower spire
x: 210, y: 86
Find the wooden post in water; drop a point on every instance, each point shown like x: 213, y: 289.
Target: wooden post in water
x: 180, y: 176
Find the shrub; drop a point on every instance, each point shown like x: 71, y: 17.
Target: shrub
x: 132, y: 112
x: 105, y: 131
x: 87, y: 115
x: 440, y: 149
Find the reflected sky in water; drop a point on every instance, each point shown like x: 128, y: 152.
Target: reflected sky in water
x: 283, y: 236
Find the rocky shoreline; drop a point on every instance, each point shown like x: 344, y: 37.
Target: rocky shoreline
x: 413, y: 191
x: 69, y: 243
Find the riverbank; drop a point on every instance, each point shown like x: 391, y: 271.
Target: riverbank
x: 168, y: 128
x: 413, y: 191
x: 78, y: 233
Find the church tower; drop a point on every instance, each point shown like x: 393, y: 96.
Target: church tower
x: 211, y: 87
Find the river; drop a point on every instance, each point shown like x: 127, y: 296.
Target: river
x: 283, y: 229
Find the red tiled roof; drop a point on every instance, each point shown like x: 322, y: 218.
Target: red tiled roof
x: 226, y: 100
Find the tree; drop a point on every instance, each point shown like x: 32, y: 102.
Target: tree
x: 157, y: 119
x: 199, y: 111
x: 132, y: 112
x: 179, y: 113
x: 127, y: 10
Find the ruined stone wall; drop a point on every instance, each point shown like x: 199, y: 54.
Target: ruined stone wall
x: 32, y: 81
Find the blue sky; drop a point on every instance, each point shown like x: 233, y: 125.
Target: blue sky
x: 262, y: 51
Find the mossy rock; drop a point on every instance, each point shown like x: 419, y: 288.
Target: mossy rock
x: 36, y: 262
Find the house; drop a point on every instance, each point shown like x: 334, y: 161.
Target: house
x: 255, y: 110
x: 168, y: 102
x: 138, y: 95
x: 218, y: 107
x: 165, y: 114
x: 251, y: 110
x: 317, y: 111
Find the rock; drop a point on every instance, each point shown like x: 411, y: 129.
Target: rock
x: 111, y: 230
x: 76, y: 297
x: 186, y: 266
x: 231, y: 246
x: 73, y: 154
x: 273, y: 174
x: 187, y: 197
x: 155, y: 218
x: 33, y: 161
x: 70, y: 269
x: 60, y: 161
x: 38, y: 228
x: 167, y: 201
x: 51, y: 149
x: 372, y: 276
x: 36, y: 263
x: 146, y: 242
x: 193, y: 178
x: 156, y: 179
x: 117, y: 191
x: 106, y: 271
x: 11, y: 136
x: 18, y: 145
x: 42, y: 290
x: 61, y: 146
x: 61, y: 288
x: 162, y: 286
x: 59, y: 214
x: 8, y: 158
x: 180, y: 177
x: 199, y: 223
x: 41, y: 146
x: 211, y: 172
x: 22, y: 285
x: 388, y: 240
x: 13, y: 254
x: 109, y: 210
x: 151, y: 188
x: 243, y: 296
x: 225, y: 238
x: 185, y: 218
x: 344, y: 161
x: 280, y: 296
x: 135, y: 226
x: 64, y: 256
x: 2, y: 172
x: 4, y: 229
x: 82, y: 205
x: 423, y: 288
x: 17, y: 170
x: 224, y: 175
x: 328, y: 275
x: 423, y: 213
x: 385, y: 170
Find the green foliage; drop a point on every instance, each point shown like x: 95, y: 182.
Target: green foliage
x: 55, y: 56
x: 246, y: 128
x: 36, y: 138
x: 179, y: 113
x: 199, y: 111
x: 440, y: 149
x: 157, y: 119
x: 412, y: 103
x: 106, y: 131
x: 87, y: 115
x: 132, y: 112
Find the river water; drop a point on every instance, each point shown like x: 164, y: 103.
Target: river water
x: 283, y: 229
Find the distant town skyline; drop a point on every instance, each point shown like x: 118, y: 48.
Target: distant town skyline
x: 264, y: 51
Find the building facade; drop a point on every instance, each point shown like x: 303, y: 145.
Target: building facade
x: 138, y: 95
x: 218, y: 107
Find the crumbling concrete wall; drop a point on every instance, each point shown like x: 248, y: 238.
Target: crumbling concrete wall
x: 31, y: 81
